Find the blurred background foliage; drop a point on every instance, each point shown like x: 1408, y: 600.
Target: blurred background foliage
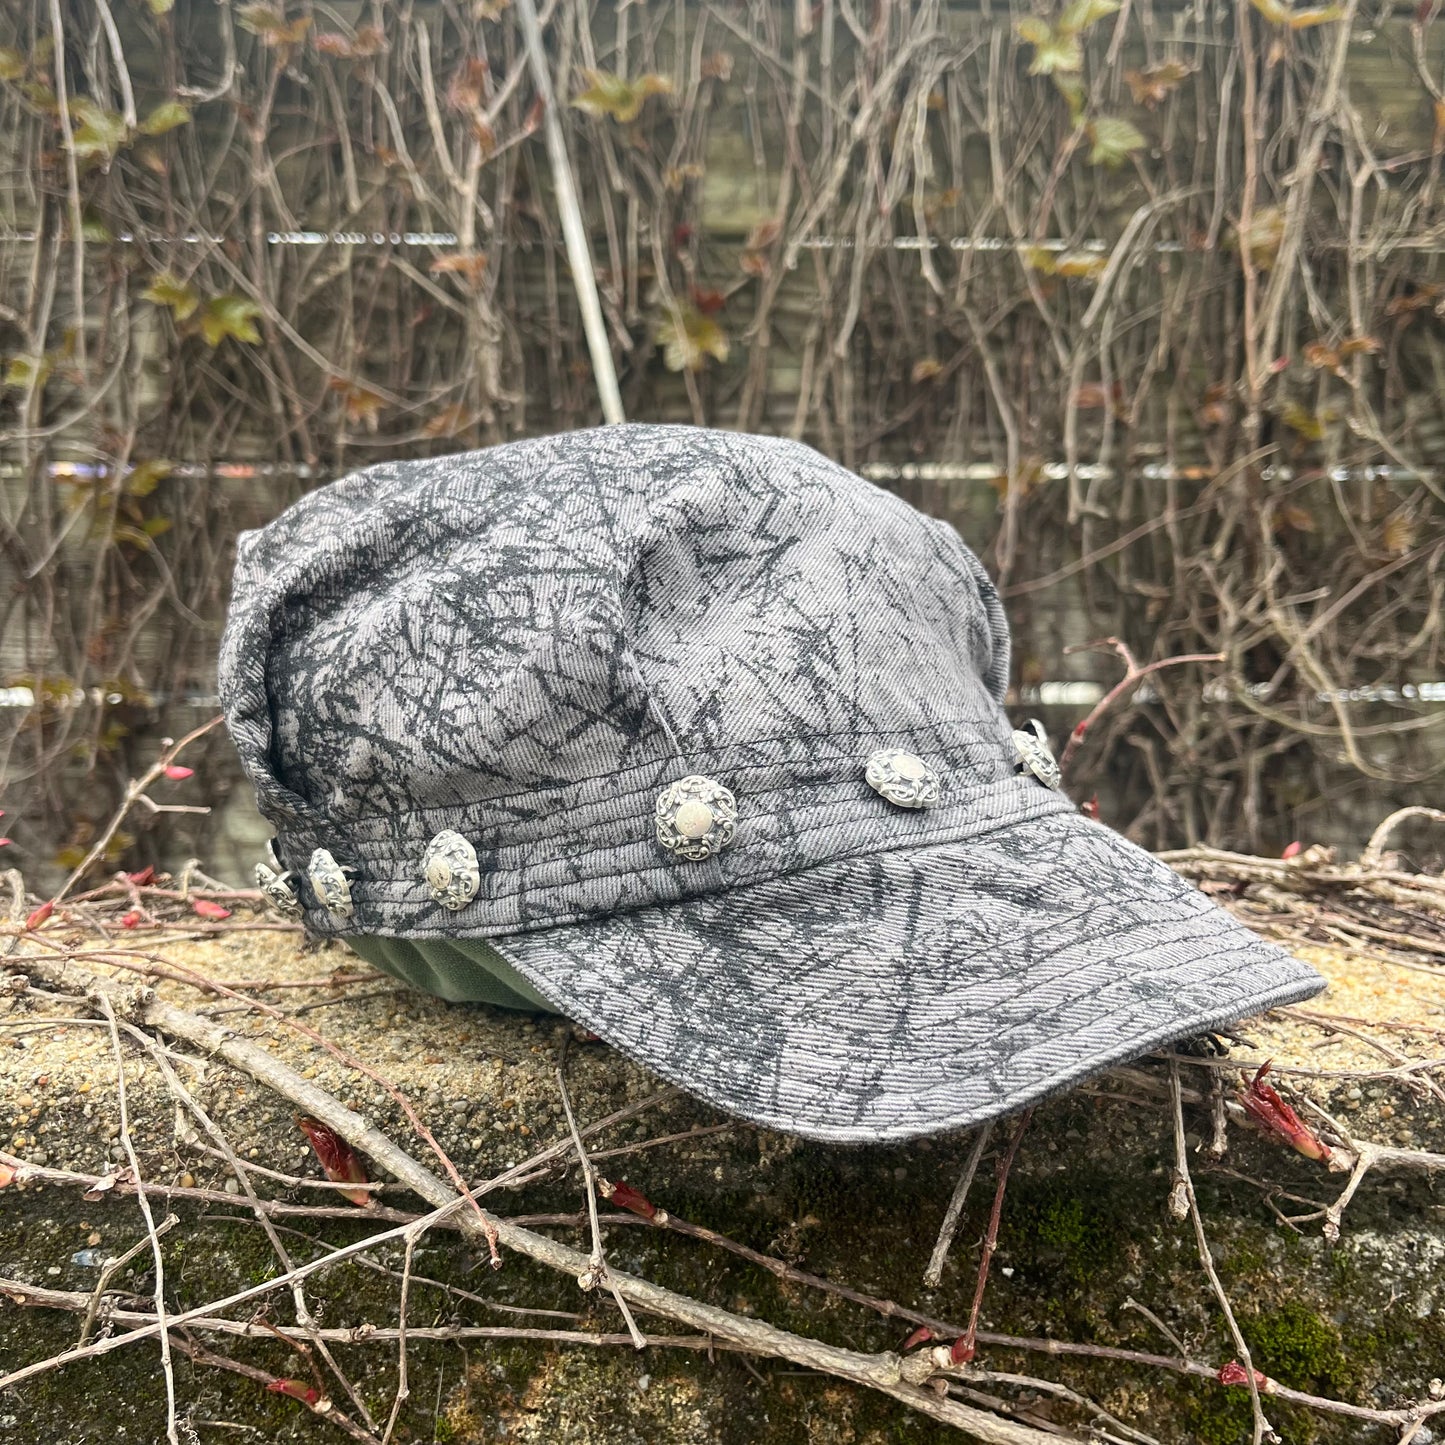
x: 1145, y: 297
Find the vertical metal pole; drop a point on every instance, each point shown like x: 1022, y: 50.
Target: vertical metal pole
x: 578, y: 253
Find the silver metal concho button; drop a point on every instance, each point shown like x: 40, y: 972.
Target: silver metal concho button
x: 903, y: 778
x: 696, y: 817
x: 332, y: 884
x: 278, y: 889
x: 450, y: 868
x: 1035, y: 755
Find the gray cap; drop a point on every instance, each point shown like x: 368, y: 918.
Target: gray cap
x: 702, y: 734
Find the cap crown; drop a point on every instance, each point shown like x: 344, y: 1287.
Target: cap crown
x: 525, y: 643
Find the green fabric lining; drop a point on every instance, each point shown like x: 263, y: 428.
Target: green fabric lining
x: 460, y: 970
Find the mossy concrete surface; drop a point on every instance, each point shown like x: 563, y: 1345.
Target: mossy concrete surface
x: 1087, y: 1241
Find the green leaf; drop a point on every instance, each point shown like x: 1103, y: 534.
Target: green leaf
x: 1040, y: 259
x: 156, y: 526
x: 688, y: 337
x: 12, y: 64
x: 98, y: 134
x: 235, y: 316
x: 124, y: 532
x: 1073, y: 92
x: 609, y: 94
x: 145, y: 477
x: 1080, y: 14
x: 1113, y: 138
x: 160, y: 7
x: 166, y: 116
x: 25, y: 371
x: 1278, y: 13
x: 168, y: 290
x: 94, y: 230
x: 1309, y: 424
x: 40, y: 95
x: 1263, y: 238
x: 272, y: 26
x: 1089, y: 264
x: 1054, y: 50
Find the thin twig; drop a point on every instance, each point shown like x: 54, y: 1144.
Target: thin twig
x: 933, y: 1275
x: 596, y: 1272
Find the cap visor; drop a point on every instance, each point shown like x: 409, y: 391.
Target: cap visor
x: 914, y: 991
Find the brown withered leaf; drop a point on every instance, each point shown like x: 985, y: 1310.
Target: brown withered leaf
x: 470, y: 265
x: 1215, y: 412
x: 1399, y: 533
x: 1292, y: 515
x: 1094, y: 395
x: 763, y: 235
x: 1152, y: 86
x: 674, y: 178
x: 717, y: 66
x: 926, y: 369
x: 361, y: 404
x: 1358, y: 345
x: 1028, y: 476
x: 450, y: 421
x: 368, y: 41
x: 468, y: 87
x: 1417, y: 298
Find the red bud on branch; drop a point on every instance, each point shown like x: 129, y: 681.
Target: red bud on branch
x: 39, y: 916
x: 207, y: 909
x: 624, y: 1196
x: 1263, y: 1104
x: 338, y: 1159
x: 1234, y: 1374
x: 298, y: 1390
x: 176, y: 773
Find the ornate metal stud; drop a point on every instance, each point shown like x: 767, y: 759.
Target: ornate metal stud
x: 903, y: 778
x: 332, y: 882
x: 278, y: 889
x: 1035, y: 755
x: 696, y: 817
x: 450, y: 867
